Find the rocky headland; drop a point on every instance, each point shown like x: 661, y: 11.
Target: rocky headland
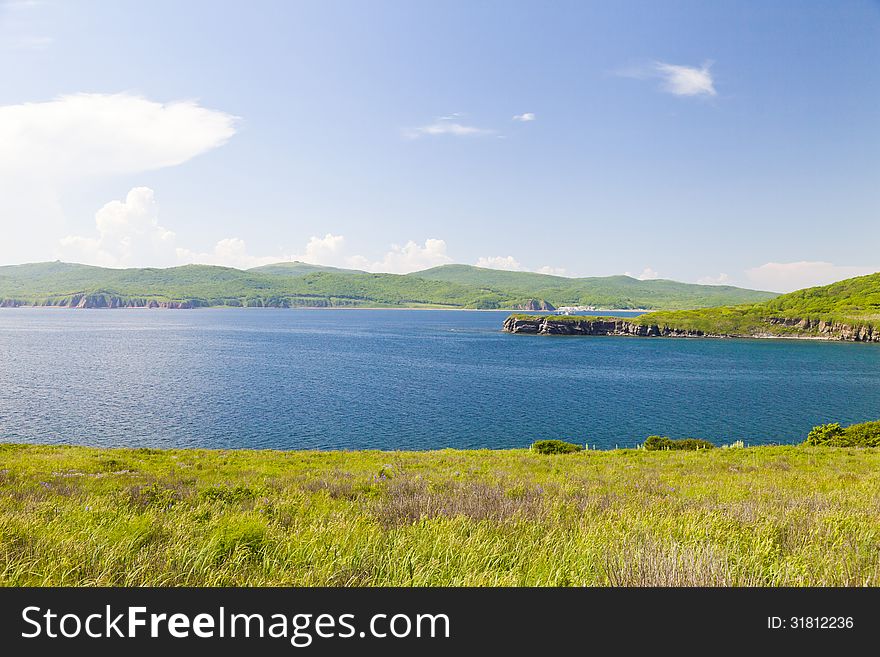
x: 775, y: 328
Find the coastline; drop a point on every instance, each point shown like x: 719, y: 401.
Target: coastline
x: 550, y: 313
x: 620, y: 327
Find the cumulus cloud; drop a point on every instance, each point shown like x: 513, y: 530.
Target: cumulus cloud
x: 446, y: 125
x: 325, y: 250
x: 228, y: 252
x: 677, y: 79
x: 788, y: 276
x: 508, y: 263
x: 330, y: 250
x: 47, y: 147
x: 721, y: 279
x: 128, y: 232
x: 102, y: 134
x: 525, y: 117
x: 413, y: 257
x: 647, y: 274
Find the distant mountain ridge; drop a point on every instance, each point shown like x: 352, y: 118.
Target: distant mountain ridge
x: 297, y: 268
x: 297, y: 284
x: 611, y: 292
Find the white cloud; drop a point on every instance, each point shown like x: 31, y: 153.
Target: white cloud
x: 788, y: 276
x: 413, y: 257
x: 128, y: 232
x: 721, y: 279
x: 686, y: 80
x: 48, y: 147
x: 677, y: 79
x: 507, y: 263
x: 525, y: 117
x: 228, y: 252
x: 325, y: 250
x: 446, y: 125
x: 105, y: 134
x: 647, y: 274
x: 330, y: 250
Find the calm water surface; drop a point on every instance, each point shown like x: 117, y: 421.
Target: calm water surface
x: 354, y: 379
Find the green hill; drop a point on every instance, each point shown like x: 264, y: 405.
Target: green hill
x: 301, y: 285
x: 846, y: 310
x: 604, y: 292
x: 849, y: 307
x: 297, y: 268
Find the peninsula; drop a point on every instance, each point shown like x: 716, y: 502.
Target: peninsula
x: 847, y: 310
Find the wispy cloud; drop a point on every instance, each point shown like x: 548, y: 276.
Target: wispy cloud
x: 450, y: 125
x: 525, y: 117
x: 676, y: 79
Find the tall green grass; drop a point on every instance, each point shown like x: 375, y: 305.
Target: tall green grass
x: 765, y: 516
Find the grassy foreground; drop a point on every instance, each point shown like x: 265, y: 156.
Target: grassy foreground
x: 791, y: 515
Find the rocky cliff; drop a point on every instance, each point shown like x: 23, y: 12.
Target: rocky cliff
x: 829, y: 329
x: 804, y: 329
x: 555, y: 325
x: 98, y: 301
x: 535, y: 304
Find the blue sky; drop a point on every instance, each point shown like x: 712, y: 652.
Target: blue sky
x: 719, y: 142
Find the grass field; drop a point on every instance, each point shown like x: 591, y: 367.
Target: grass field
x: 762, y: 516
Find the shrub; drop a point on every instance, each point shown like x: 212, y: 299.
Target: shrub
x: 653, y: 443
x: 555, y: 447
x: 866, y: 434
x: 824, y: 434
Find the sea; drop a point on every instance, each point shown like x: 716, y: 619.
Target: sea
x: 404, y: 380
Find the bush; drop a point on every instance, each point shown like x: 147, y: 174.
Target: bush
x: 555, y: 447
x: 654, y: 443
x: 824, y: 434
x: 866, y: 434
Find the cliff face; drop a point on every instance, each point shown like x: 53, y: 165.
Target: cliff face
x: 598, y: 326
x: 97, y: 301
x: 556, y: 326
x: 535, y: 304
x: 831, y: 330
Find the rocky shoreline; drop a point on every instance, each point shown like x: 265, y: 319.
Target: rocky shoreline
x: 97, y: 301
x: 805, y: 329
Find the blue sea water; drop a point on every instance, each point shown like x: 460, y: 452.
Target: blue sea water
x: 395, y: 379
